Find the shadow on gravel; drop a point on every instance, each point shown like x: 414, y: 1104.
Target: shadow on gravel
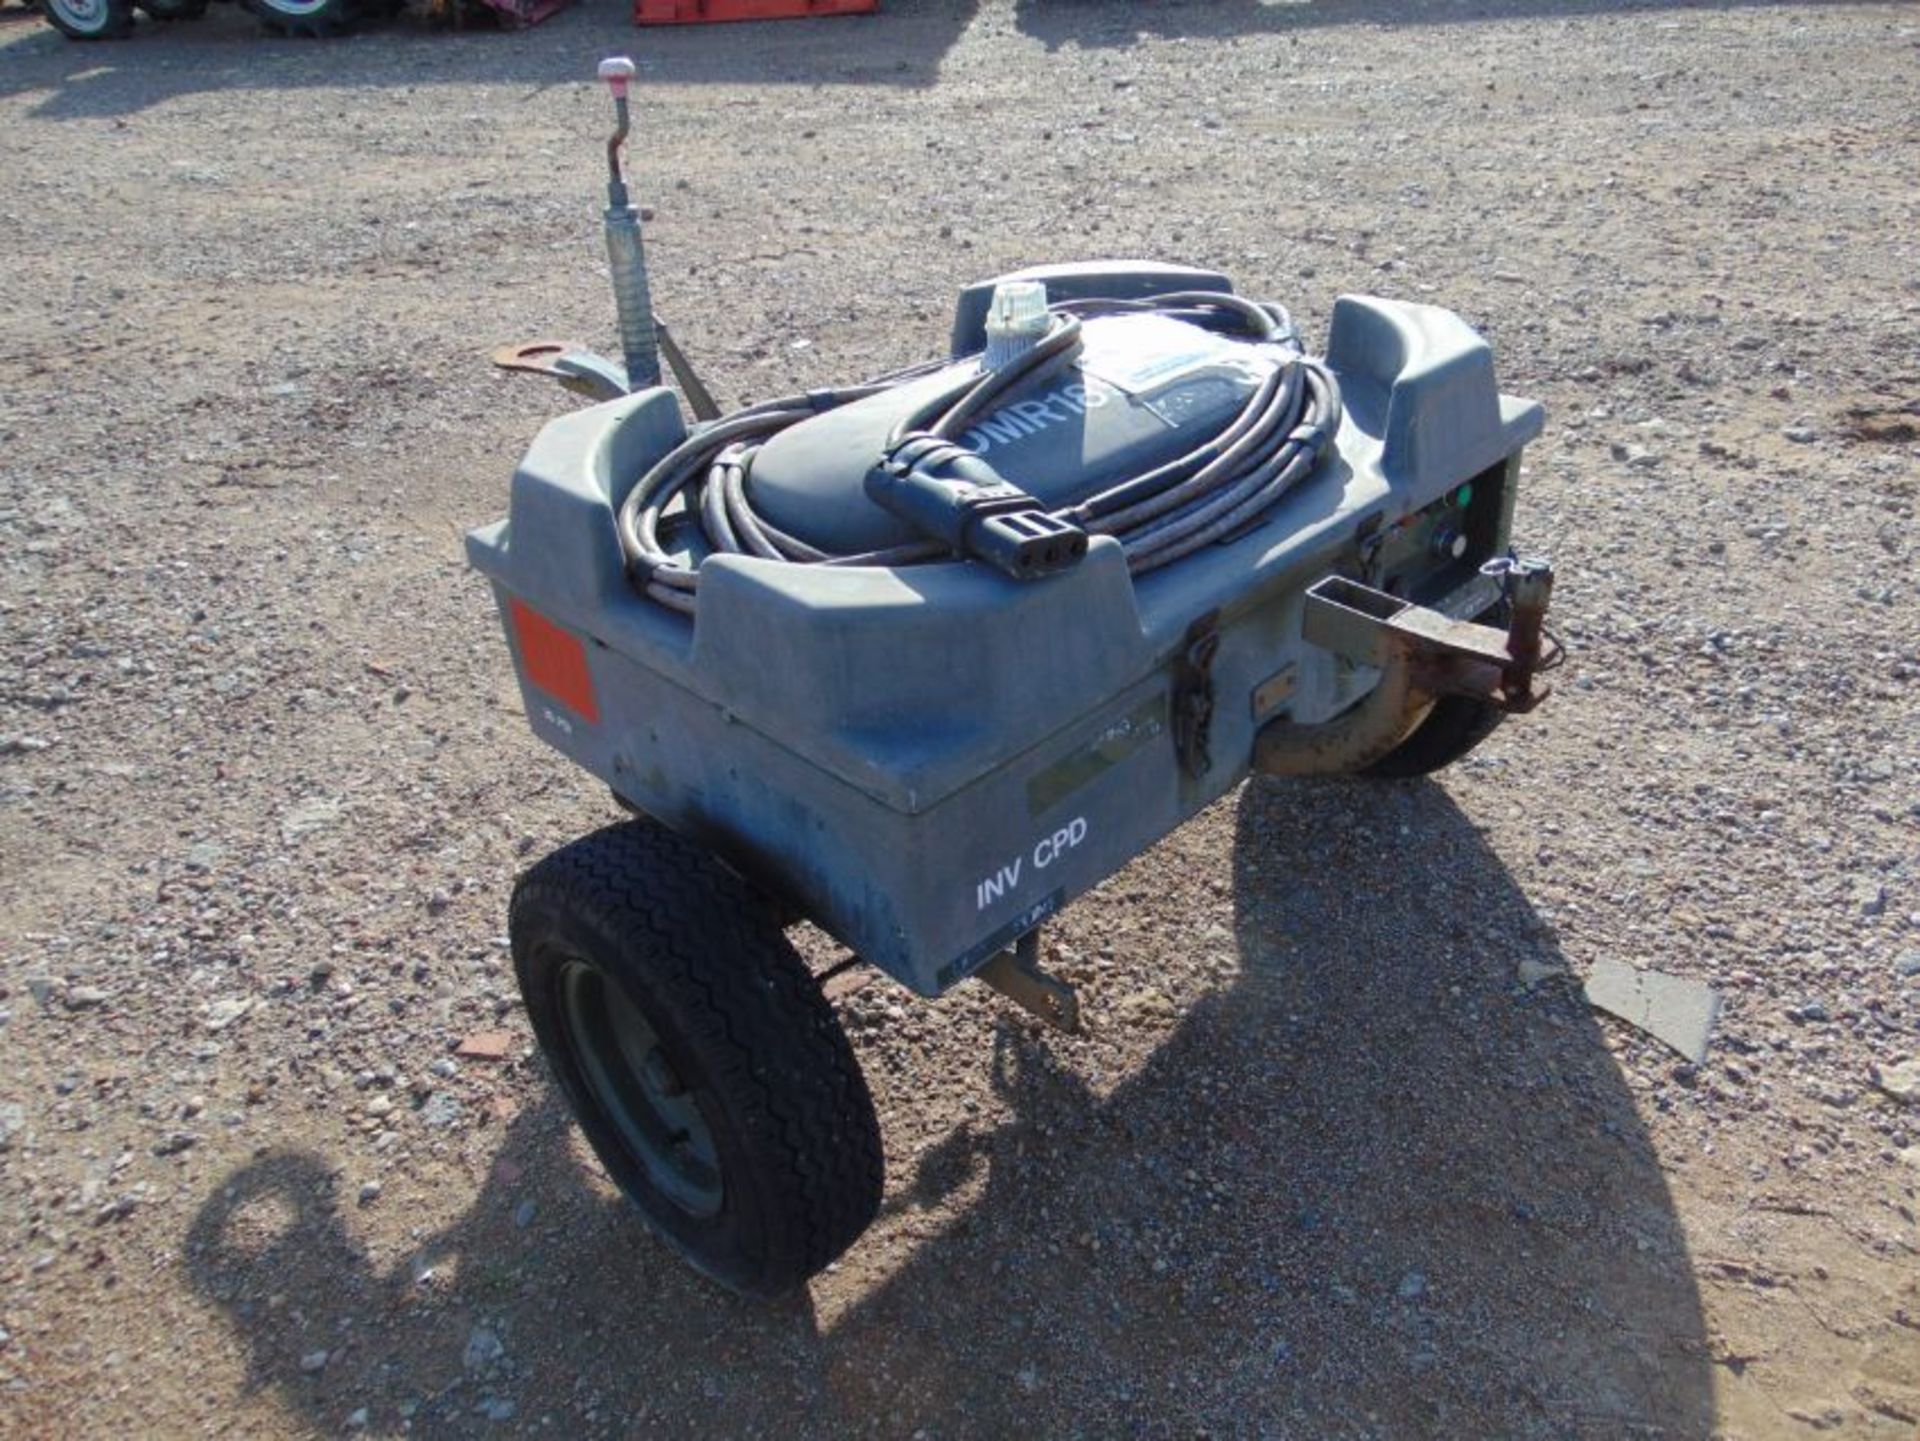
x: 1369, y: 1187
x: 1105, y: 23
x: 903, y: 45
x: 227, y: 51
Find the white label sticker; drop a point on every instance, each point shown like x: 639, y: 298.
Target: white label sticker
x: 1143, y: 353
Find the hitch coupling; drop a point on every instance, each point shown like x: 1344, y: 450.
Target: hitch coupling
x: 1422, y: 656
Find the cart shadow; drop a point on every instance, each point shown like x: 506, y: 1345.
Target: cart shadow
x: 493, y: 1319
x: 1373, y: 1186
x: 1369, y: 1185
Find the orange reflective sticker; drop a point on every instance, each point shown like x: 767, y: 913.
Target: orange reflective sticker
x: 554, y: 661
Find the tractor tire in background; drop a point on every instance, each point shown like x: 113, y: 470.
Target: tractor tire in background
x: 173, y: 9
x: 698, y: 1054
x: 90, y: 19
x: 318, y: 18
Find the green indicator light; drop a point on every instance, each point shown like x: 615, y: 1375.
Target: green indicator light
x: 1463, y: 497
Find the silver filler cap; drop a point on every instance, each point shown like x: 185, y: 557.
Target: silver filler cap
x: 1017, y: 320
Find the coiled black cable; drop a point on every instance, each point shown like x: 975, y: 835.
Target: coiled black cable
x: 1159, y: 516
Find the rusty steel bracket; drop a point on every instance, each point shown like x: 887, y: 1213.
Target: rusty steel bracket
x: 1016, y: 974
x: 535, y: 357
x: 1193, y: 695
x: 1442, y: 656
x: 594, y: 376
x: 1422, y: 656
x: 574, y: 366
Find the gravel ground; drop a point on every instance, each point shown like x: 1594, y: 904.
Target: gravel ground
x: 1324, y: 1165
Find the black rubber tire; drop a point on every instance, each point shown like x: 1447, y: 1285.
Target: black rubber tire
x: 1451, y: 729
x: 173, y: 9
x: 329, y: 17
x: 1445, y: 734
x: 94, y: 20
x: 742, y: 1023
x: 786, y: 914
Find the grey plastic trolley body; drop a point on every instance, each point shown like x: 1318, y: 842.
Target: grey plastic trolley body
x: 930, y: 761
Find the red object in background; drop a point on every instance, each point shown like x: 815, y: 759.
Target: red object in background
x: 698, y: 12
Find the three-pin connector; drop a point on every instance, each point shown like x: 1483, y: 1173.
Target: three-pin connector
x: 952, y: 496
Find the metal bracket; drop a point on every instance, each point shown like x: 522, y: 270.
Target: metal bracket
x: 594, y: 376
x: 1193, y: 695
x: 1016, y: 974
x: 574, y: 366
x: 1442, y: 655
x: 1421, y: 655
x: 699, y: 399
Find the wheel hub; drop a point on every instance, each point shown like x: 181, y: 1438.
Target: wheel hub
x: 634, y: 1083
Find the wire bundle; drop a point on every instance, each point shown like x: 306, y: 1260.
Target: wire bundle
x: 1218, y: 487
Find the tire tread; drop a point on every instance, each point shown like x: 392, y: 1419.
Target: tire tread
x: 790, y: 1076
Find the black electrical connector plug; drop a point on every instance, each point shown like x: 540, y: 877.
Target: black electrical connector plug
x: 956, y: 498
